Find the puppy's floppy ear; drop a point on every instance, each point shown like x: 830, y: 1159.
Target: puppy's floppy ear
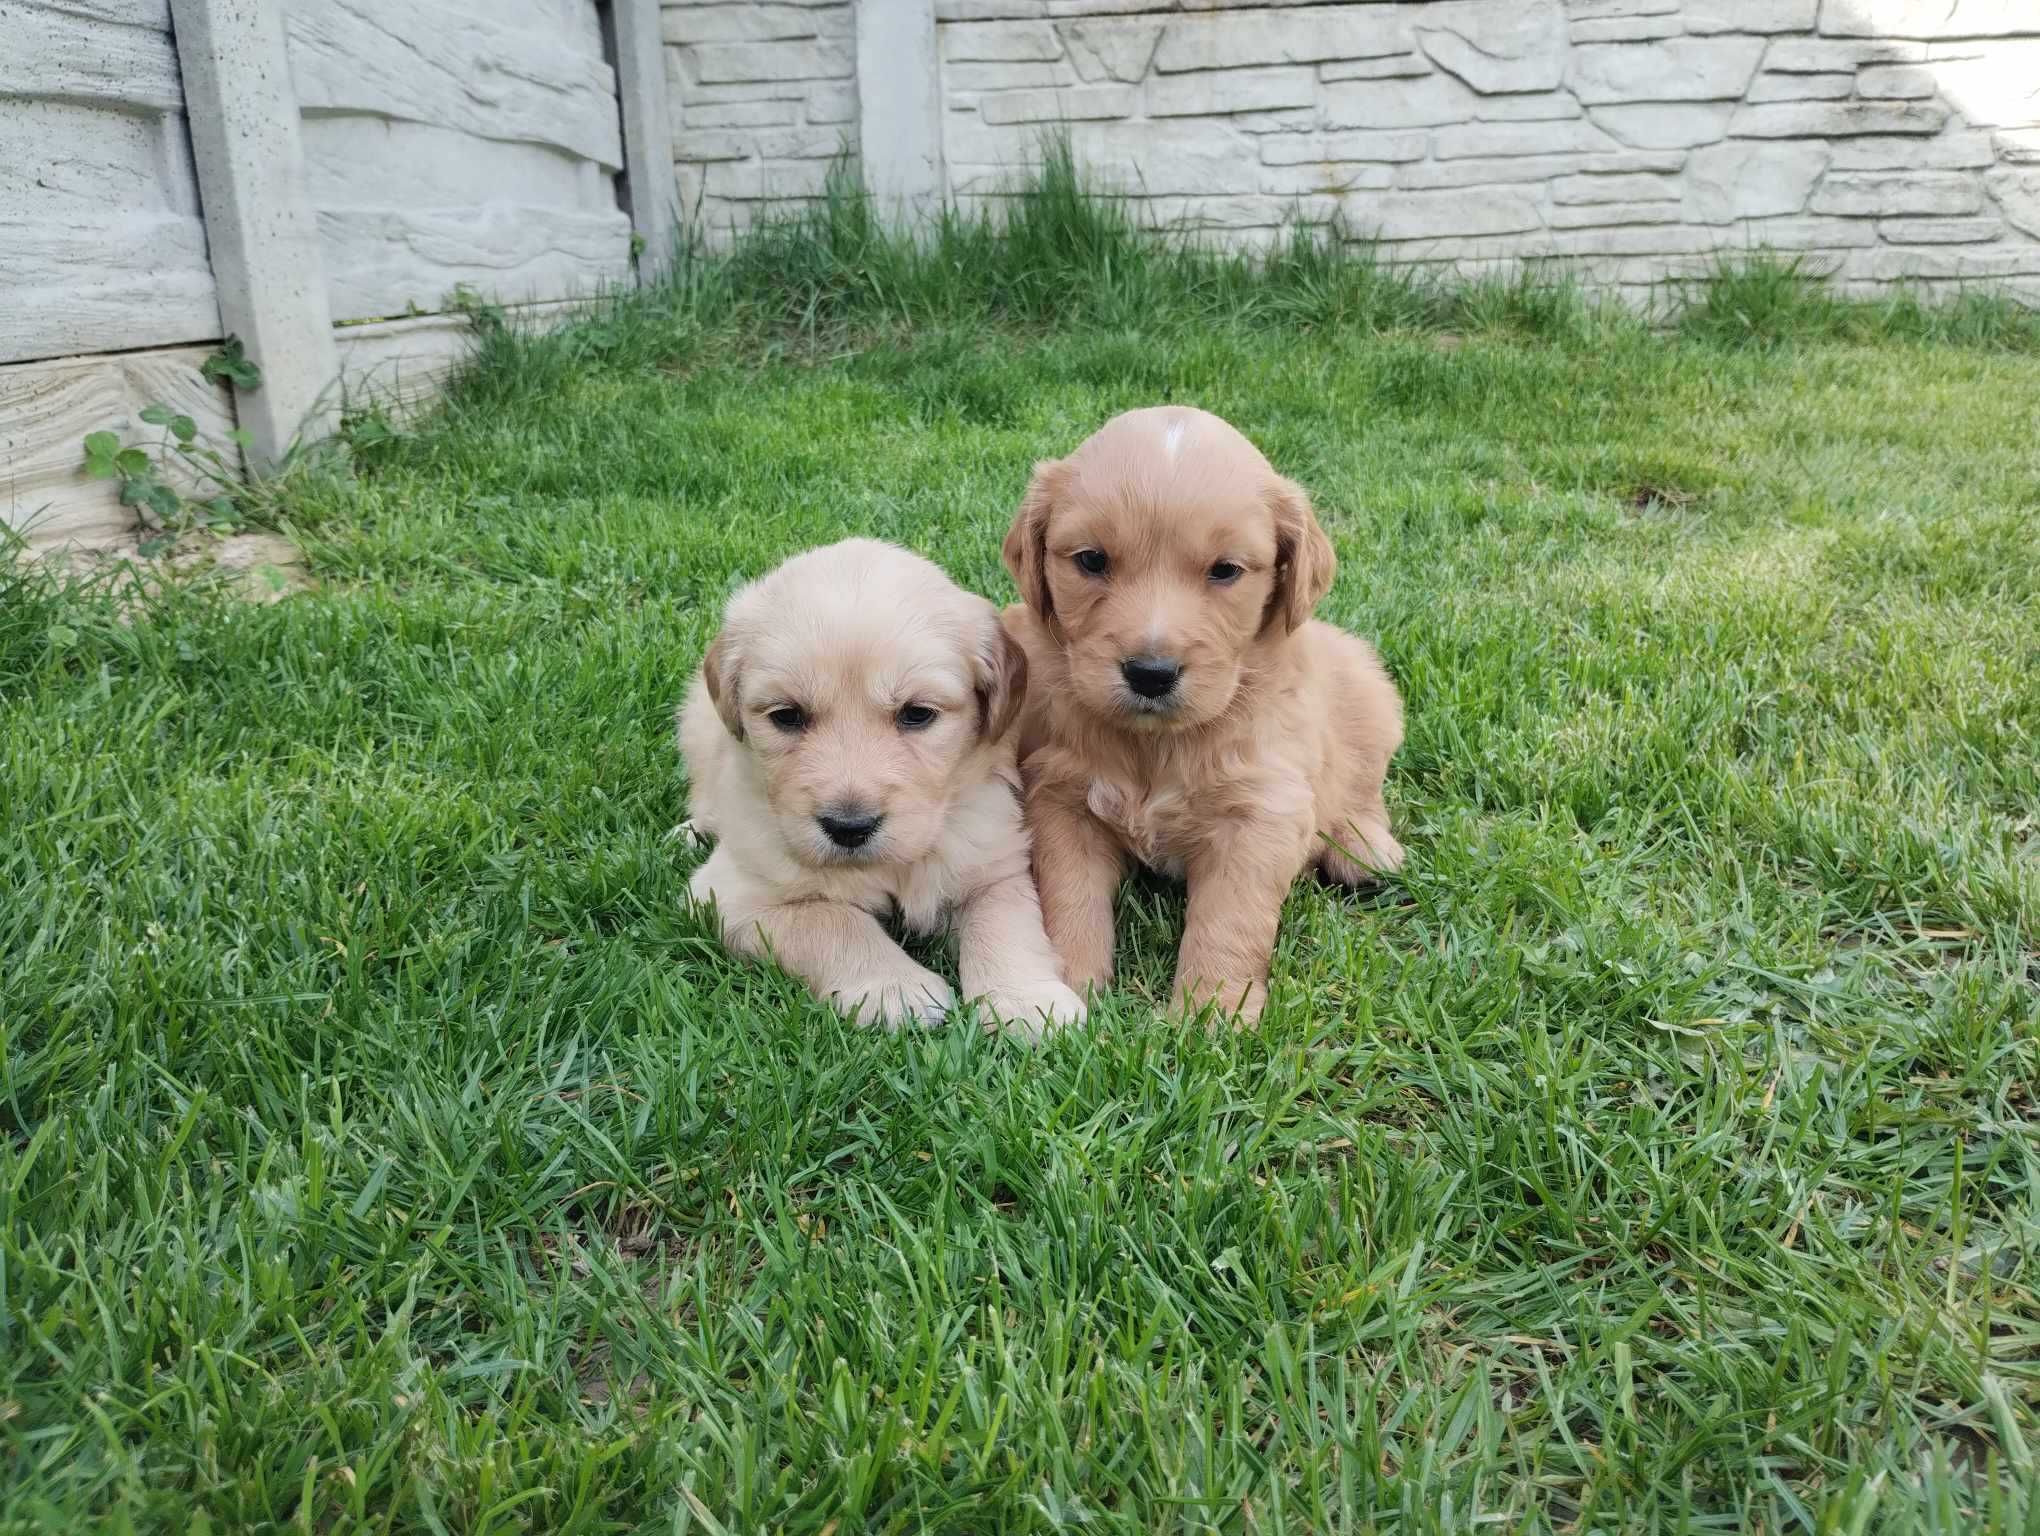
x: 1304, y: 559
x: 1001, y: 679
x: 1026, y: 547
x: 719, y: 672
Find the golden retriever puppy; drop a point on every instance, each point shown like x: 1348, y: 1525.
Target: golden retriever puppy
x: 1185, y: 710
x: 850, y: 747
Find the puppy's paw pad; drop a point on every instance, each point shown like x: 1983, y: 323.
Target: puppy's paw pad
x: 908, y: 998
x: 1032, y: 1012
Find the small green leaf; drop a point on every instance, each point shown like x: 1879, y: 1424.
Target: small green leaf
x: 222, y: 507
x: 242, y: 436
x: 151, y: 547
x: 131, y: 461
x: 183, y: 428
x: 156, y: 415
x: 100, y: 448
x: 231, y: 364
x: 134, y: 491
x: 62, y: 637
x: 164, y: 502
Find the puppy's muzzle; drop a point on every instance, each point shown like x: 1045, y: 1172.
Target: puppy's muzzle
x: 849, y: 826
x: 1152, y: 678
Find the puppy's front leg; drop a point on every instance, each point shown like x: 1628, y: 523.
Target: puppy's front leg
x: 1005, y: 958
x: 840, y: 951
x: 845, y: 956
x: 1237, y: 885
x: 1077, y: 865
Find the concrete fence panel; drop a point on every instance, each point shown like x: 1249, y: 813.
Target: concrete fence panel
x: 330, y: 180
x: 1632, y: 141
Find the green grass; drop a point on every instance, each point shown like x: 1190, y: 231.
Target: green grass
x: 1058, y: 254
x: 388, y: 1146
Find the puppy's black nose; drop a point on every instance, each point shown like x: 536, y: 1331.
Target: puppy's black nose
x: 1151, y: 677
x: 849, y: 829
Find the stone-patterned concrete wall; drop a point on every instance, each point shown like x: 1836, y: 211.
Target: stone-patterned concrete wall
x: 764, y: 97
x: 498, y: 175
x: 102, y: 250
x: 100, y: 230
x: 1893, y: 139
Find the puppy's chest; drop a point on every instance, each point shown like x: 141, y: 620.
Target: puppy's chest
x: 1165, y: 821
x: 924, y: 901
x: 920, y: 900
x: 1159, y: 823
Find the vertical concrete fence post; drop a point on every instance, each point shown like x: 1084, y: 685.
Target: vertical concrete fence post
x: 899, y: 107
x: 651, y: 193
x: 263, y: 237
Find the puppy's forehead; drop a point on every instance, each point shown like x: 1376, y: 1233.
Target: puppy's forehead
x: 1171, y: 440
x: 883, y: 660
x: 1171, y: 473
x: 873, y: 631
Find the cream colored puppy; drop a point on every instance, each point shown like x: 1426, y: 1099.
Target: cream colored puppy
x: 1187, y: 712
x: 850, y: 747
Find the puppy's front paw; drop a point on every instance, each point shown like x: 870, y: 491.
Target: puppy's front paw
x: 1236, y: 1002
x: 897, y: 998
x: 1369, y: 854
x: 1382, y: 852
x: 1031, y: 1011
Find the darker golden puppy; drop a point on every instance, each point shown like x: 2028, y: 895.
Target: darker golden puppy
x: 1184, y: 709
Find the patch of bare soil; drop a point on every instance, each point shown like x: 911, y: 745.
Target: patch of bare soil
x: 255, y: 567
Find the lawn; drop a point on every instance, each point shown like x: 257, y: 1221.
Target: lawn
x: 388, y: 1146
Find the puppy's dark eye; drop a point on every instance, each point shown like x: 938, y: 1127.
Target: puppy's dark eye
x: 1092, y: 562
x: 914, y: 717
x: 1224, y: 573
x: 789, y: 718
